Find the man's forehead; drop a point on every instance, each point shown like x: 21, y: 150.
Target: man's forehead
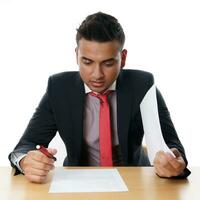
x: 97, y: 50
x: 93, y: 45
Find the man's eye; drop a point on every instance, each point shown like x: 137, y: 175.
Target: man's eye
x: 110, y: 63
x: 87, y: 62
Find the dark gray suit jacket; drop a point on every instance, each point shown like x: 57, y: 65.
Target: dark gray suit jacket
x: 62, y: 106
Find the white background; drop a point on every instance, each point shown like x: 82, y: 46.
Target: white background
x: 37, y: 39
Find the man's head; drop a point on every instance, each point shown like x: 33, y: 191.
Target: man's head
x: 101, y: 27
x: 100, y: 54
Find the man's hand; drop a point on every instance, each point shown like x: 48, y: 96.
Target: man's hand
x: 36, y: 165
x: 167, y: 166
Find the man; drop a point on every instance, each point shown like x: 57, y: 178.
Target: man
x: 97, y: 111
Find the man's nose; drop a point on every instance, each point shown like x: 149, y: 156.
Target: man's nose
x: 97, y: 72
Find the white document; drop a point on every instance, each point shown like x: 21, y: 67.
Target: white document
x: 87, y: 180
x: 151, y: 125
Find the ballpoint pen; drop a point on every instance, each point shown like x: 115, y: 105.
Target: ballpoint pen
x: 45, y: 152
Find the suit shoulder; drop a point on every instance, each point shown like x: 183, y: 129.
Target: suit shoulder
x: 137, y: 73
x: 136, y: 82
x: 63, y: 75
x: 63, y: 80
x: 137, y: 76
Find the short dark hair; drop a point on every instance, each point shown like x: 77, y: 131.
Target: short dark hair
x: 101, y: 27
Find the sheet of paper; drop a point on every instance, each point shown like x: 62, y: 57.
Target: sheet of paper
x: 87, y: 180
x: 151, y: 125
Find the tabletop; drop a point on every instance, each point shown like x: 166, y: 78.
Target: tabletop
x: 142, y: 184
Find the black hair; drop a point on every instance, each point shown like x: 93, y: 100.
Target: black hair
x: 101, y: 27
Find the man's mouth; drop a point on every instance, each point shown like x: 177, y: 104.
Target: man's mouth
x: 97, y: 83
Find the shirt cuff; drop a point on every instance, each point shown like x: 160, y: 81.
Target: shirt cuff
x: 16, y: 160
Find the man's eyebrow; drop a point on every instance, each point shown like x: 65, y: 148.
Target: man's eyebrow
x: 107, y: 60
x: 110, y: 59
x: 85, y: 58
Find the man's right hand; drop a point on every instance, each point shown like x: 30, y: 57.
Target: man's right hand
x: 36, y: 165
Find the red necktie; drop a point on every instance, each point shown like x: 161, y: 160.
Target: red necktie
x: 105, y: 141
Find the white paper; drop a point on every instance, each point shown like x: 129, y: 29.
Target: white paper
x: 151, y: 125
x: 87, y: 180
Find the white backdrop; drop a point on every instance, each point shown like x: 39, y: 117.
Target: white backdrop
x: 37, y: 39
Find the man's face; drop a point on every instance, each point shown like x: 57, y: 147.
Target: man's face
x: 99, y: 63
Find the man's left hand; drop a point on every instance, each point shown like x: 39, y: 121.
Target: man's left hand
x: 167, y: 166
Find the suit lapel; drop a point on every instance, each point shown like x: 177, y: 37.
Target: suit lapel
x: 124, y: 102
x: 77, y: 104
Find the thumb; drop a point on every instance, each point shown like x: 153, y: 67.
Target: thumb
x: 176, y: 152
x: 52, y: 151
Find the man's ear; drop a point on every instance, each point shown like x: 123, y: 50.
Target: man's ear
x: 76, y: 51
x: 123, y: 56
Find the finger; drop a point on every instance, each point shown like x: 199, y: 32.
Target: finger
x: 162, y: 165
x: 32, y: 163
x: 35, y: 178
x: 52, y: 151
x: 165, y: 169
x: 162, y: 172
x: 177, y: 163
x: 160, y: 158
x: 176, y: 152
x: 42, y: 166
x: 40, y: 157
x: 37, y: 172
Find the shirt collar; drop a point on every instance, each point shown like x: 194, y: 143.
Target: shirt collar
x: 112, y: 87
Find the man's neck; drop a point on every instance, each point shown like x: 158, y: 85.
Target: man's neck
x: 112, y: 87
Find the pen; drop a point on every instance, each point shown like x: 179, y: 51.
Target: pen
x: 45, y: 152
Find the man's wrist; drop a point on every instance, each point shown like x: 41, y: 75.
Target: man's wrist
x: 16, y: 158
x: 18, y: 163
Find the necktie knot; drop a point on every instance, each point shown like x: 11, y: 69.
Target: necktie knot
x: 102, y: 97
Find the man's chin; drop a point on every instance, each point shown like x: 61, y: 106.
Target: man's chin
x: 98, y: 89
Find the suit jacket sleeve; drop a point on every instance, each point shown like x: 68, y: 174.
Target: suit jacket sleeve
x: 41, y: 128
x: 169, y: 132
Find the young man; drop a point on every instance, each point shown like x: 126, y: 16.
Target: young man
x: 97, y: 111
